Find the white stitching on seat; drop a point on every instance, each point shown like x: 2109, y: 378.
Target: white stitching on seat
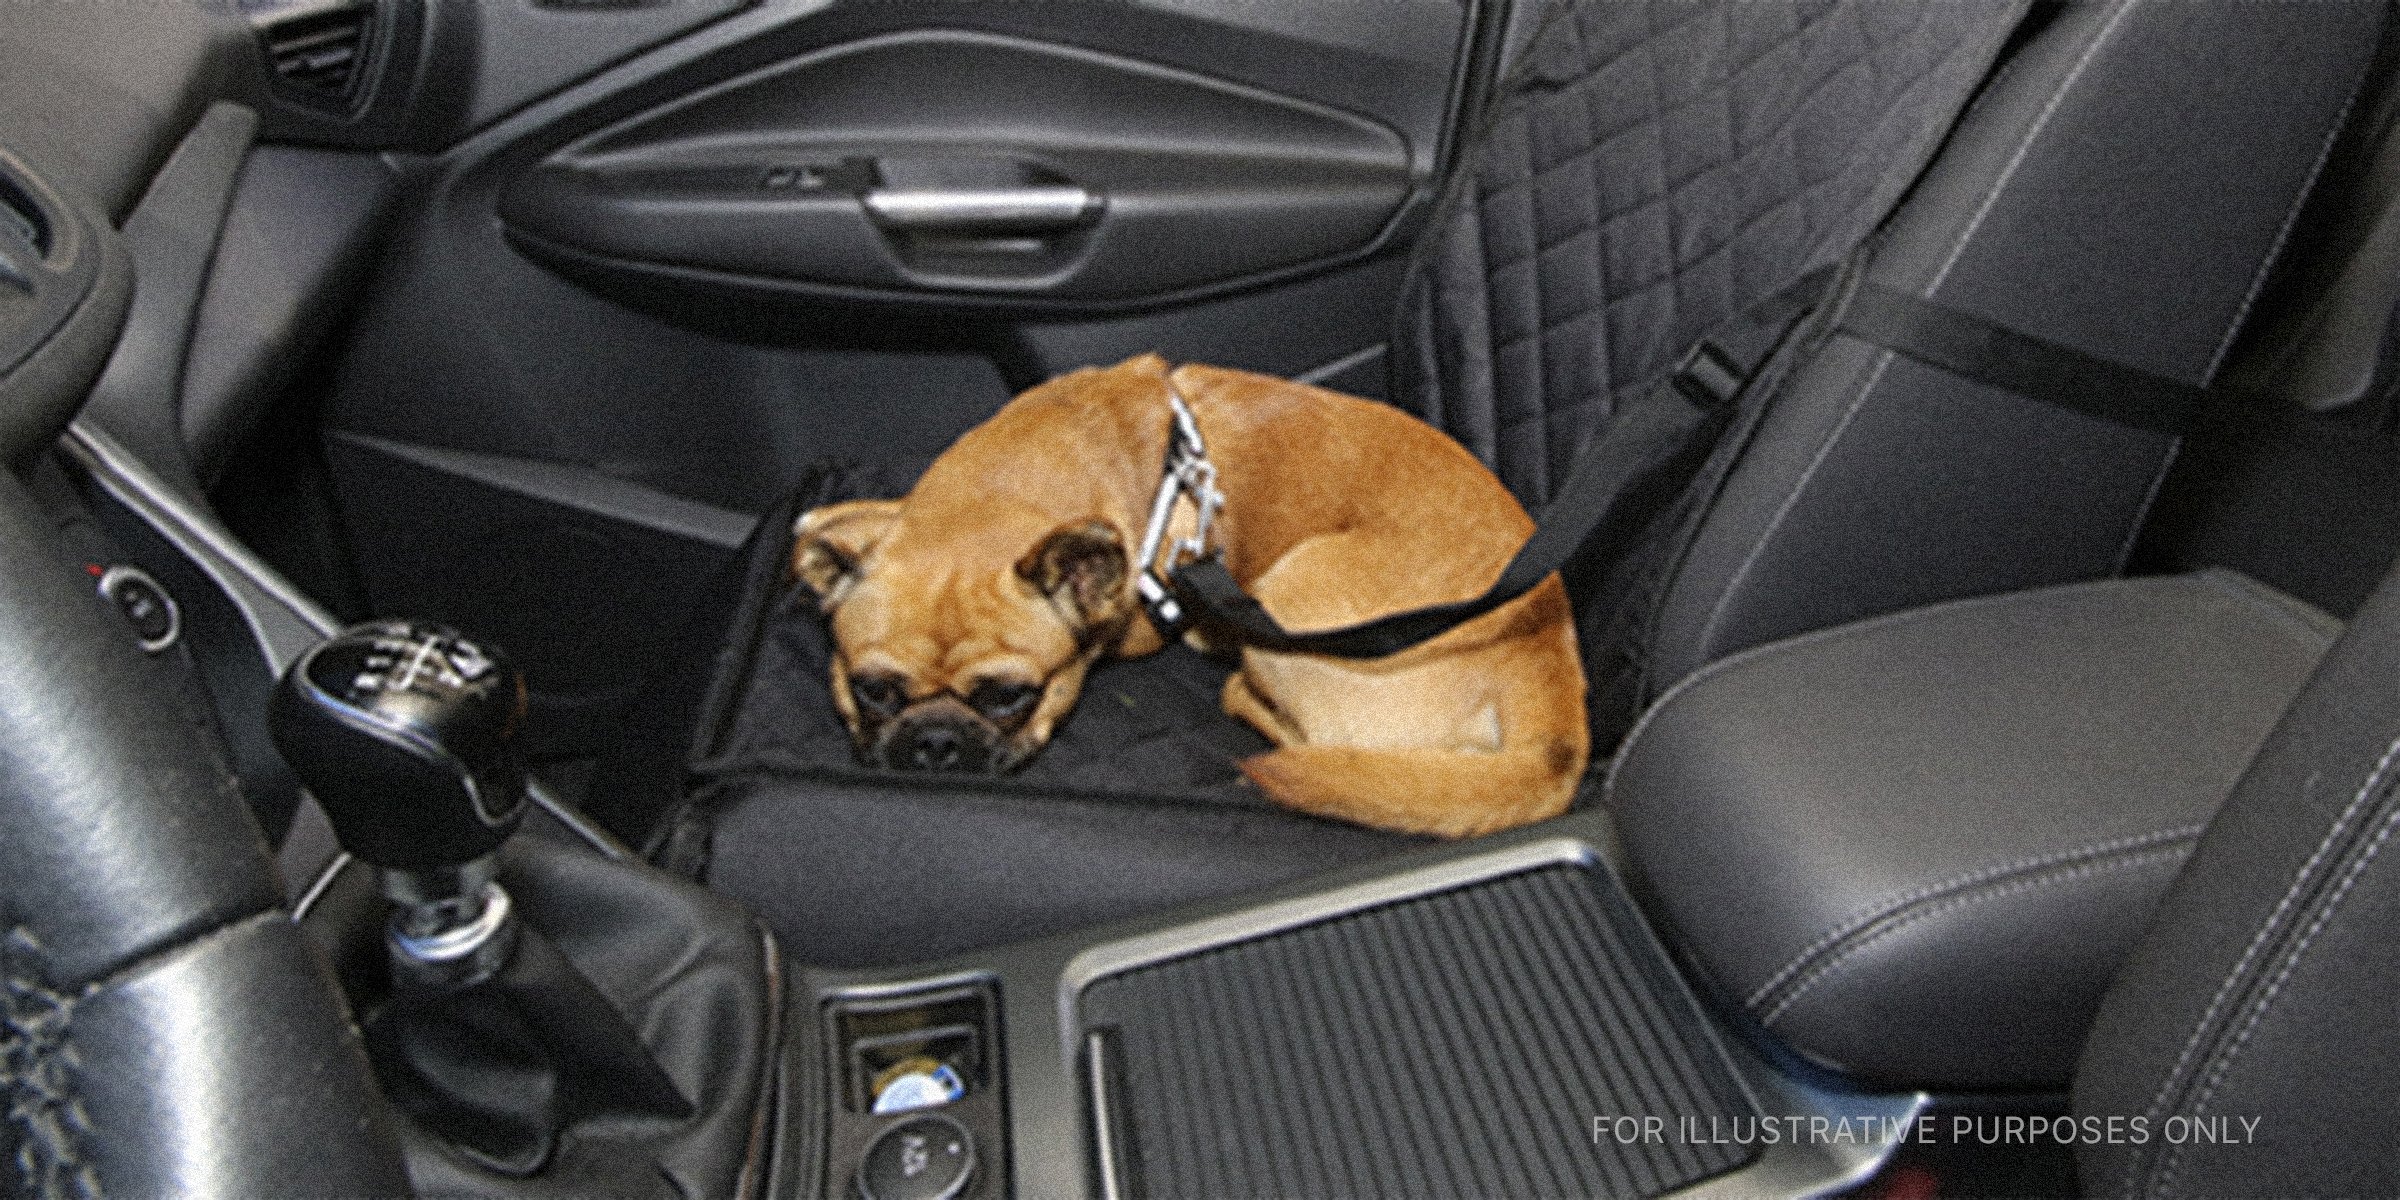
x: 2041, y: 121
x: 1884, y: 909
x: 2028, y: 883
x: 2258, y: 941
x: 2283, y: 232
x: 2141, y: 512
x: 1741, y: 574
x: 2289, y: 965
x: 2241, y: 315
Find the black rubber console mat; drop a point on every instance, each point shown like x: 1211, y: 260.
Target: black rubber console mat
x: 1457, y: 1044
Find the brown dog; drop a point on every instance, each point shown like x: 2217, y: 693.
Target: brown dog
x: 966, y: 615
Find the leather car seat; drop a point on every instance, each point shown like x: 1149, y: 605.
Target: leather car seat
x: 2259, y: 1002
x: 2122, y: 184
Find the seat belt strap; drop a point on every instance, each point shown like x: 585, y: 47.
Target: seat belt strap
x: 1626, y: 474
x: 1983, y: 350
x: 2037, y: 368
x: 1623, y: 477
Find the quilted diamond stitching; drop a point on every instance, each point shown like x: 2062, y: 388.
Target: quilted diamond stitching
x: 1653, y: 170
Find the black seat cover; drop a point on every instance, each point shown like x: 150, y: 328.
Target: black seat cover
x: 2252, y: 1032
x: 2122, y: 187
x: 1656, y: 168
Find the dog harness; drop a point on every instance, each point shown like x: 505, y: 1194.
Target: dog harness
x: 1186, y: 475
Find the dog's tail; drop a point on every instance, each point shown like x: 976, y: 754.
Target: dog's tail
x: 1446, y: 793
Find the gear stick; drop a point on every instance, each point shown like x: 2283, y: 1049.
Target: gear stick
x: 405, y: 733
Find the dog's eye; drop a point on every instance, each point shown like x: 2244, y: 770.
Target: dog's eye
x: 878, y: 695
x: 1004, y: 700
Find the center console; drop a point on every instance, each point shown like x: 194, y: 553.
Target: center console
x: 1486, y: 1019
x: 1898, y: 863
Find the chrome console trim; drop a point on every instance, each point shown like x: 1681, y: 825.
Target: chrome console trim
x: 282, y: 621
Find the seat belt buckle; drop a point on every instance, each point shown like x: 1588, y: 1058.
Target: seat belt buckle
x: 1708, y: 375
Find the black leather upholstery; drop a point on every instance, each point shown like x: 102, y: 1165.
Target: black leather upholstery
x: 2122, y: 188
x: 165, y: 1030
x: 2261, y: 1001
x: 1915, y: 848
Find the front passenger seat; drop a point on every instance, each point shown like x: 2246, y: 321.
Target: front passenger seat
x: 2122, y: 185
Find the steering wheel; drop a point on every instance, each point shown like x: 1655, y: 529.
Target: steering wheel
x: 163, y: 1028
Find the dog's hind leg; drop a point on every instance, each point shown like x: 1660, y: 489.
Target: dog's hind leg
x: 1243, y: 703
x: 1477, y: 731
x: 1446, y: 793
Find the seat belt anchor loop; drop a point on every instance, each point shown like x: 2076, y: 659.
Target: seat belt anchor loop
x: 1708, y: 376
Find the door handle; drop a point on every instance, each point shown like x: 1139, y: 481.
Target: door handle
x: 1003, y: 211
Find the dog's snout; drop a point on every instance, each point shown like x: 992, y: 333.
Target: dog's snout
x: 945, y: 748
x: 939, y: 734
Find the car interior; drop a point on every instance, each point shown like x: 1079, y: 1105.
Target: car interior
x: 418, y: 761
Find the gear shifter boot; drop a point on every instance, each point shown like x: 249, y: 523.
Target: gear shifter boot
x: 553, y: 1020
x: 501, y: 1064
x: 694, y: 978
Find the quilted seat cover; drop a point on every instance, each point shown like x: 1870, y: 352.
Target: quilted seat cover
x: 1653, y: 168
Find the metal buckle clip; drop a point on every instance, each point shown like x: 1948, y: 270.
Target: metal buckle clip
x: 1186, y: 474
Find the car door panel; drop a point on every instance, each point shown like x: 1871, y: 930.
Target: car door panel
x: 812, y: 230
x: 925, y: 164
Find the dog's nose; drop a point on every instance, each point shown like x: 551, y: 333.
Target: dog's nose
x: 942, y: 748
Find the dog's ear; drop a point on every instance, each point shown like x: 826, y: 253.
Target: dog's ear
x: 1082, y: 569
x: 829, y: 542
x: 1147, y: 362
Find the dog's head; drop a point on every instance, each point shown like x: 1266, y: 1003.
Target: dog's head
x: 960, y: 644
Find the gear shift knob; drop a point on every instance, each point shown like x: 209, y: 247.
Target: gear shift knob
x: 406, y: 734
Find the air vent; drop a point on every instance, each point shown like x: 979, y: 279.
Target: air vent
x: 22, y: 222
x: 321, y: 56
